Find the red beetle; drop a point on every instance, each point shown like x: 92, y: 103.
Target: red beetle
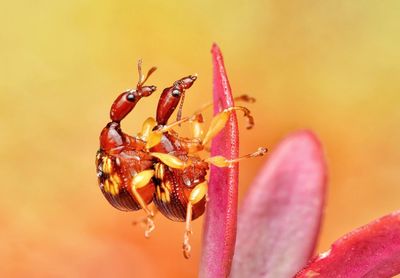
x: 157, y: 164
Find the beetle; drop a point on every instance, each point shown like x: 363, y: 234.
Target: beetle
x: 158, y: 165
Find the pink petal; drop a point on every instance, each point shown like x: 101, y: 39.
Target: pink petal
x: 220, y: 221
x: 280, y: 218
x: 370, y: 251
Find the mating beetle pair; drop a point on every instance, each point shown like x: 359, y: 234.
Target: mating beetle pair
x: 157, y: 165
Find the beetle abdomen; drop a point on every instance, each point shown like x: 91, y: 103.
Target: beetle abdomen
x: 172, y: 192
x: 114, y: 180
x: 122, y: 201
x: 174, y: 207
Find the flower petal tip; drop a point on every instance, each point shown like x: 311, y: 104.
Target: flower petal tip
x: 221, y: 215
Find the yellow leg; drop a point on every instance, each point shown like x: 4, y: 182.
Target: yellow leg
x: 220, y: 120
x: 191, y: 118
x: 194, y: 116
x: 150, y: 226
x: 153, y: 137
x: 197, y: 128
x: 147, y: 222
x: 197, y: 194
x: 244, y: 98
x: 138, y: 181
x: 171, y: 160
x: 188, y: 231
x: 217, y: 123
x: 221, y: 161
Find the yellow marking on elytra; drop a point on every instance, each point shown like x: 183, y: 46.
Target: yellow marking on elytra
x: 166, y: 192
x: 159, y: 171
x: 115, y: 178
x: 112, y: 189
x: 107, y: 165
x: 116, y: 181
x: 167, y: 185
x: 110, y: 186
x: 156, y: 171
x: 104, y: 166
x: 163, y: 198
x: 106, y: 186
x: 158, y: 192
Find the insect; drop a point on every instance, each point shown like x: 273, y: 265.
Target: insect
x: 158, y: 165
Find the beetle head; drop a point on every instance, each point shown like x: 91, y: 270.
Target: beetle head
x: 185, y: 83
x: 126, y: 101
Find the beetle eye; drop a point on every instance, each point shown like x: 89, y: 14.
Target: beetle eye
x: 176, y: 93
x: 130, y: 97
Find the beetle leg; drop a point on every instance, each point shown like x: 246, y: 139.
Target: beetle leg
x: 171, y: 160
x: 188, y: 231
x: 191, y: 145
x: 138, y: 181
x: 154, y: 137
x: 170, y: 98
x: 221, y: 161
x: 244, y: 98
x: 217, y: 124
x: 197, y: 114
x: 196, y: 195
x: 144, y: 220
x: 219, y: 121
x: 147, y: 128
x: 197, y: 129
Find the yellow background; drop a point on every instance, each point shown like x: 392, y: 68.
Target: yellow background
x: 331, y: 66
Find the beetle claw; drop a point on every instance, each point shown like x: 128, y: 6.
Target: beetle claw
x: 148, y: 223
x: 150, y: 226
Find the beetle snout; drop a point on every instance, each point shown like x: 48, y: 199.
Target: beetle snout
x: 188, y: 81
x: 146, y: 91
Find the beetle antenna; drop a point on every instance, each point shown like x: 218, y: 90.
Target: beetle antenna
x: 179, y: 114
x: 142, y: 78
x: 139, y: 66
x: 150, y: 72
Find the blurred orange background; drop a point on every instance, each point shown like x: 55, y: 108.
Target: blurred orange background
x: 331, y: 66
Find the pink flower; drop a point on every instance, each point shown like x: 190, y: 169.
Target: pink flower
x: 279, y: 221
